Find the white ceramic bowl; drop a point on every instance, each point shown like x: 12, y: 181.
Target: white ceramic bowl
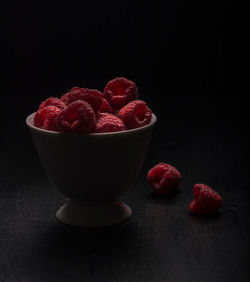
x: 92, y: 171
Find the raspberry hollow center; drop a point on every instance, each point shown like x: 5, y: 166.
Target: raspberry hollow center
x: 120, y: 91
x: 158, y: 175
x: 72, y: 117
x: 140, y: 112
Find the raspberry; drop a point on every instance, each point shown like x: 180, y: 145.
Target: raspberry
x: 65, y: 97
x: 108, y: 123
x: 120, y: 91
x: 164, y: 178
x: 52, y: 101
x: 135, y: 114
x: 205, y: 200
x: 77, y: 117
x: 105, y: 107
x: 46, y: 118
x: 74, y: 93
x: 92, y: 96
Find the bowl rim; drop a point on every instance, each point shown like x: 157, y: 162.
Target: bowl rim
x: 30, y: 119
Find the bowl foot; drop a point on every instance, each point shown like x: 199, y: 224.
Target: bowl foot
x: 72, y: 213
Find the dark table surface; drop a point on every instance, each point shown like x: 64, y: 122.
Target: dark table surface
x: 203, y: 135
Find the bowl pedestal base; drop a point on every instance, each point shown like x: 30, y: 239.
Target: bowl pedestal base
x: 74, y: 214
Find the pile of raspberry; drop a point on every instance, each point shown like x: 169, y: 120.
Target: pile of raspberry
x: 83, y: 110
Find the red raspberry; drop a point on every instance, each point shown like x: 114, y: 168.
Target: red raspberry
x: 77, y: 117
x: 205, y: 200
x: 108, y: 123
x: 135, y: 114
x: 46, y: 118
x: 105, y: 107
x: 65, y: 97
x: 120, y: 91
x: 74, y: 93
x: 164, y: 178
x: 91, y: 96
x: 52, y: 101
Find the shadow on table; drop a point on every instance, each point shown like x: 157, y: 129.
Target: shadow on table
x: 64, y: 249
x: 88, y: 241
x: 63, y: 253
x: 169, y: 199
x: 215, y: 219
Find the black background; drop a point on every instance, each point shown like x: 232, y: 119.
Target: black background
x: 182, y: 56
x: 176, y: 45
